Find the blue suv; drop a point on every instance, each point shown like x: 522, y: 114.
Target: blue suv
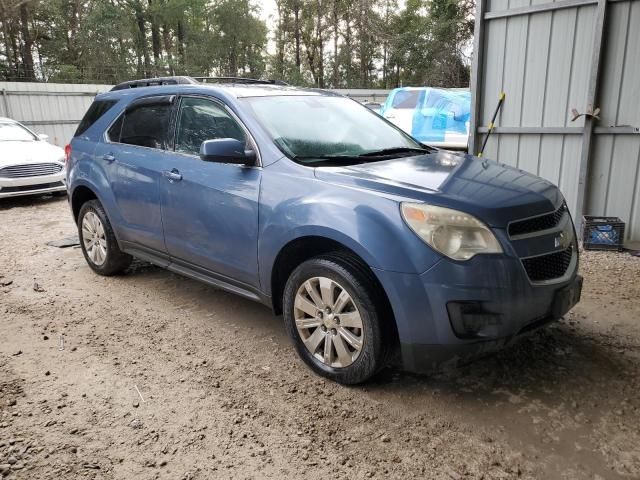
x: 365, y: 240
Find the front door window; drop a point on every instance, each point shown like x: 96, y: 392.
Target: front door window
x: 200, y: 119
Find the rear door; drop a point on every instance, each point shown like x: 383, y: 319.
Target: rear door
x: 134, y: 157
x: 209, y: 209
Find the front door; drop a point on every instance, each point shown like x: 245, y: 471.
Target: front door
x: 209, y: 209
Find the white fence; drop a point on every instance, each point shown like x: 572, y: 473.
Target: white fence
x: 56, y: 108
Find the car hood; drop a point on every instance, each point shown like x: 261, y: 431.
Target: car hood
x: 18, y: 153
x: 494, y: 193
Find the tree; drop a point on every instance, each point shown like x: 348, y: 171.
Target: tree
x: 114, y: 40
x: 239, y: 40
x: 325, y: 43
x: 430, y: 43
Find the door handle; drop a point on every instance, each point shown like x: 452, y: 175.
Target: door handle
x: 174, y: 175
x: 109, y: 157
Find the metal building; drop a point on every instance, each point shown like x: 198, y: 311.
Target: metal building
x: 551, y: 58
x: 51, y: 108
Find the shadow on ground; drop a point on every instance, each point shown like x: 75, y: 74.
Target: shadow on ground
x: 29, y: 201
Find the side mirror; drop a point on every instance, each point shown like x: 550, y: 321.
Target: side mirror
x: 227, y: 150
x: 43, y: 137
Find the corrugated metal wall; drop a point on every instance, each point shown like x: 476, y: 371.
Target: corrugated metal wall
x: 51, y: 108
x: 548, y: 59
x: 57, y: 108
x: 615, y: 177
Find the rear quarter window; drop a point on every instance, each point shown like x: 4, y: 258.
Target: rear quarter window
x: 97, y: 109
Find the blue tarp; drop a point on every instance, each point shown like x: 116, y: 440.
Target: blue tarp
x: 435, y: 110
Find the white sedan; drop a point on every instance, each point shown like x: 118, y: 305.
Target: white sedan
x: 28, y: 163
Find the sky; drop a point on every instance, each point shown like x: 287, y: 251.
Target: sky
x: 267, y: 9
x: 268, y: 12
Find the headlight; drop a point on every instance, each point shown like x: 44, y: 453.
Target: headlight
x: 455, y: 234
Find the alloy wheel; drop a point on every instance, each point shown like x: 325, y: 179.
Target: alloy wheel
x: 328, y: 322
x: 93, y: 238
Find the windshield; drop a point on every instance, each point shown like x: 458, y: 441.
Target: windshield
x: 311, y: 127
x: 14, y: 132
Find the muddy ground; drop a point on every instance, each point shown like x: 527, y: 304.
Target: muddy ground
x: 223, y: 395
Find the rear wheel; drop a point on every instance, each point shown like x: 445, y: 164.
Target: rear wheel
x: 333, y: 319
x: 98, y: 241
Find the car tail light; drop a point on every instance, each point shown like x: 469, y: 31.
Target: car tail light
x: 67, y: 153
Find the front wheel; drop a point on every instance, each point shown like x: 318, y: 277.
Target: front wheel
x: 332, y: 316
x: 98, y: 242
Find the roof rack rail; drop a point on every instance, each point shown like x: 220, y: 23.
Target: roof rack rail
x: 239, y: 80
x: 150, y: 82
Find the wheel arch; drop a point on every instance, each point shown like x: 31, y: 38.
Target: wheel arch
x: 81, y: 195
x: 304, y: 248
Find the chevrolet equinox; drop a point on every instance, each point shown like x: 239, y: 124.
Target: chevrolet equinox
x: 365, y: 240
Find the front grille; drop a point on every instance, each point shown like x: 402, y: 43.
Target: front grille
x: 548, y: 267
x: 33, y: 170
x: 29, y: 188
x: 537, y: 224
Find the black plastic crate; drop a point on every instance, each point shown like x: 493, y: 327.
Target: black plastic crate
x: 602, y: 233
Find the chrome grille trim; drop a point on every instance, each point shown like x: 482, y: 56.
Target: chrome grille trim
x: 30, y: 170
x: 560, y: 261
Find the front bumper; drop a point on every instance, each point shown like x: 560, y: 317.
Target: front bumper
x: 14, y: 187
x: 498, y: 283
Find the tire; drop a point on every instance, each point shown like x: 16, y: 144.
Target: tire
x: 348, y: 274
x: 101, y: 249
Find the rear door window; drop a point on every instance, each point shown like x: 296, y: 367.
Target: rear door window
x: 96, y: 110
x: 144, y: 125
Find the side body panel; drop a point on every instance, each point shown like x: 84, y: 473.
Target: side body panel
x: 84, y: 171
x: 210, y: 217
x: 134, y: 176
x: 294, y: 204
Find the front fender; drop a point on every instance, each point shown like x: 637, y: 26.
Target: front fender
x: 370, y: 224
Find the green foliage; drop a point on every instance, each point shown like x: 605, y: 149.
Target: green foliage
x: 429, y: 48
x: 373, y: 43
x: 108, y: 41
x: 324, y: 43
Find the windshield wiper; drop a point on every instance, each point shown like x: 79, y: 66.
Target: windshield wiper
x: 323, y: 158
x: 339, y: 159
x: 392, y: 151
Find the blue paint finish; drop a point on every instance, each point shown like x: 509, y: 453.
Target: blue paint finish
x: 134, y: 179
x: 494, y: 193
x: 210, y: 217
x: 294, y: 204
x: 233, y: 221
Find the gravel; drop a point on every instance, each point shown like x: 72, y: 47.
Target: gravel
x: 225, y: 396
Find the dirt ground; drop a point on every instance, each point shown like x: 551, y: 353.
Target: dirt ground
x: 162, y: 377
